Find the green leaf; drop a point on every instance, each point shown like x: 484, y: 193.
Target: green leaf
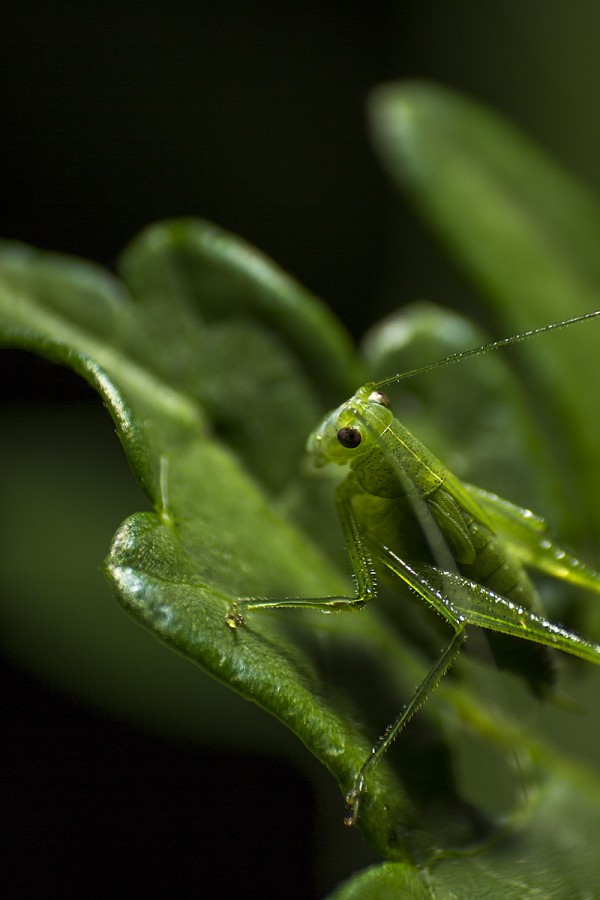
x: 215, y: 366
x: 555, y: 856
x: 527, y: 234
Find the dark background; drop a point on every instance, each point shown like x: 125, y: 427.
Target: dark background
x: 114, y: 115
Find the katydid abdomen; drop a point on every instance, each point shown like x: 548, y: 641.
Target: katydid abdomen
x: 390, y: 485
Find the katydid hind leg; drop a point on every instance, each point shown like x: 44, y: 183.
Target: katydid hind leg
x: 424, y: 689
x: 474, y: 604
x: 530, y: 538
x: 436, y: 599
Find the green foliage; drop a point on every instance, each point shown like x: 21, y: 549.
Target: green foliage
x: 215, y: 366
x: 525, y: 232
x: 547, y: 864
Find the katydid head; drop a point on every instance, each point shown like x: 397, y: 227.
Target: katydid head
x: 351, y: 431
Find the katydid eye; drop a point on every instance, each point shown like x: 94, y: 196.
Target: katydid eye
x: 381, y: 398
x: 349, y: 437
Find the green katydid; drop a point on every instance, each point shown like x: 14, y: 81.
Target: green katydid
x: 461, y: 550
